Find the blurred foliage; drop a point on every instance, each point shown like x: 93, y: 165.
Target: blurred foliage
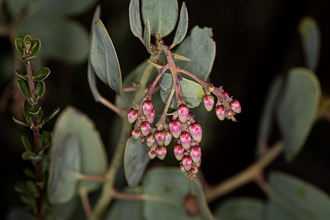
x: 255, y: 41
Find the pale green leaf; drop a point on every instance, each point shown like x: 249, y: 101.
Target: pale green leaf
x: 182, y: 28
x: 90, y: 71
x: 62, y: 39
x: 297, y: 109
x: 240, y: 209
x: 161, y: 14
x: 65, y: 164
x: 311, y: 41
x: 295, y: 199
x: 135, y: 161
x: 167, y: 190
x: 147, y: 36
x: 92, y: 153
x: 104, y: 58
x: 65, y: 211
x: 192, y: 92
x: 135, y: 18
x: 200, y: 48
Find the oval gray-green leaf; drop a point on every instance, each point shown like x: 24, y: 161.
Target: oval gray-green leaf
x: 192, y: 92
x: 166, y: 190
x: 161, y: 14
x: 135, y: 18
x: 62, y: 39
x: 295, y: 199
x: 65, y: 211
x: 92, y: 153
x: 126, y: 209
x: 182, y: 28
x: 200, y: 48
x: 90, y: 71
x: 104, y: 58
x: 311, y: 41
x: 135, y: 161
x: 65, y: 164
x: 65, y: 7
x: 297, y: 109
x: 240, y: 209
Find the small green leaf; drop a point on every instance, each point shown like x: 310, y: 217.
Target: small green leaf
x: 65, y: 164
x: 241, y: 209
x: 28, y: 58
x: 26, y: 143
x: 25, y: 108
x: 90, y: 71
x: 19, y: 45
x: 169, y: 191
x: 192, y: 92
x: 31, y: 187
x: 157, y: 66
x: 45, y: 140
x: 40, y: 89
x: 161, y: 14
x: 136, y: 160
x: 180, y: 57
x: 119, y: 210
x: 294, y: 199
x: 311, y: 41
x: 28, y: 172
x: 28, y: 200
x: 42, y: 74
x: 182, y: 28
x: 200, y: 48
x: 17, y: 121
x: 297, y: 109
x: 104, y: 58
x: 23, y: 86
x: 19, y: 74
x: 93, y: 156
x: 27, y: 41
x: 135, y: 18
x: 28, y: 155
x: 20, y: 188
x: 147, y: 36
x: 52, y: 114
x: 36, y: 45
x: 34, y: 110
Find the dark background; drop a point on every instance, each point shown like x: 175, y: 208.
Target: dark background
x: 255, y: 40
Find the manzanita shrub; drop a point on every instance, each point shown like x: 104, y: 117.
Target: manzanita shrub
x: 155, y: 104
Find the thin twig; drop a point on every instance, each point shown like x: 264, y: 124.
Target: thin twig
x: 112, y: 107
x: 245, y: 176
x: 85, y: 202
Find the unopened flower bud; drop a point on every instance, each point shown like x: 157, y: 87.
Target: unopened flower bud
x: 175, y: 128
x: 182, y: 168
x: 150, y: 140
x: 187, y: 162
x: 151, y: 154
x: 220, y: 112
x: 168, y: 138
x: 183, y: 112
x: 136, y: 132
x: 150, y: 118
x: 147, y: 107
x: 132, y: 115
x: 208, y: 101
x: 178, y: 151
x: 196, y: 131
x: 145, y: 128
x: 161, y: 152
x: 198, y: 164
x: 235, y: 106
x: 185, y: 140
x: 229, y: 113
x: 160, y: 137
x: 196, y: 153
x: 194, y: 170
